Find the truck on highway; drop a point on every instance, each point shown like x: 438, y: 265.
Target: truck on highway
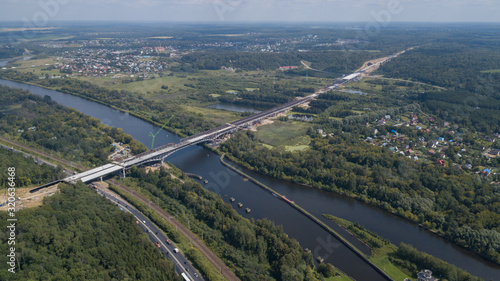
x: 185, y: 277
x: 176, y: 250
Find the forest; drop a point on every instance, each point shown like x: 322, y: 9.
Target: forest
x: 467, y: 70
x: 463, y: 207
x: 78, y: 235
x: 336, y: 63
x: 28, y: 173
x: 47, y: 125
x: 254, y: 250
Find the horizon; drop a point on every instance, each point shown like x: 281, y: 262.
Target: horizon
x: 42, y: 12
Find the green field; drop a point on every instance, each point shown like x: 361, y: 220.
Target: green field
x: 379, y: 255
x: 215, y: 115
x: 491, y: 71
x: 290, y: 135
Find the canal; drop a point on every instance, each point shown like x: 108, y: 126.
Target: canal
x: 264, y: 205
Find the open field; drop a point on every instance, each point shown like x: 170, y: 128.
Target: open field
x: 5, y: 29
x: 174, y: 83
x: 491, y: 71
x: 289, y: 135
x: 380, y: 257
x: 30, y: 200
x: 218, y: 116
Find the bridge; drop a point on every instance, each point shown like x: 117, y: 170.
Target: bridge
x: 160, y: 153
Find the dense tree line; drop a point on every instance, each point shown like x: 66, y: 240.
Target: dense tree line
x: 472, y: 97
x: 406, y: 256
x: 157, y: 111
x: 334, y: 62
x: 10, y: 51
x: 414, y: 260
x: 255, y: 250
x: 74, y: 136
x: 28, y: 172
x: 78, y: 235
x: 461, y: 206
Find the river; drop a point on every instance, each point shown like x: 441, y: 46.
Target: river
x: 263, y: 205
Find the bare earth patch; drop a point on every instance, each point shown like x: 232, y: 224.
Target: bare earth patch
x: 30, y: 200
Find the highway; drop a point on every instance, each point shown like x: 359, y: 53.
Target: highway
x: 182, y: 262
x: 155, y: 235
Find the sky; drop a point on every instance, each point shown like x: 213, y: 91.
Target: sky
x: 41, y: 12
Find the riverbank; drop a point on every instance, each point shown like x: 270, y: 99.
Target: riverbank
x: 390, y: 256
x: 305, y: 232
x: 310, y: 216
x: 132, y: 113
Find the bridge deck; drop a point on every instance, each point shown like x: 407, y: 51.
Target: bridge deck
x: 89, y: 172
x: 102, y: 173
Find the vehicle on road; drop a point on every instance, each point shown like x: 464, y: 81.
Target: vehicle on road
x: 195, y: 274
x: 176, y: 250
x: 186, y: 278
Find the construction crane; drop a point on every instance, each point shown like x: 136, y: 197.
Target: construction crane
x: 154, y: 135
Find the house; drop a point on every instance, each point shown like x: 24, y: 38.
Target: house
x: 486, y: 172
x: 441, y: 162
x: 494, y: 152
x: 434, y: 144
x: 426, y: 275
x: 288, y: 67
x: 468, y: 166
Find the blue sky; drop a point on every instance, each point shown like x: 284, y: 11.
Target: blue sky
x: 253, y: 10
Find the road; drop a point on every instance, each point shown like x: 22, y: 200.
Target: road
x: 207, y: 253
x: 155, y: 235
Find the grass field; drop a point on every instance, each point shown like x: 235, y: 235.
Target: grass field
x: 217, y: 116
x: 174, y: 84
x: 379, y: 256
x: 290, y: 135
x: 491, y: 71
